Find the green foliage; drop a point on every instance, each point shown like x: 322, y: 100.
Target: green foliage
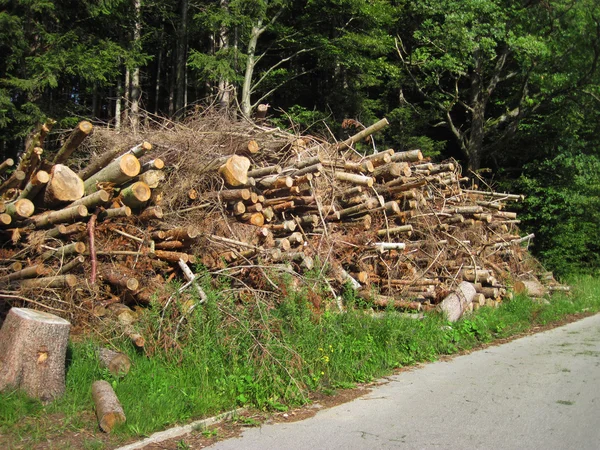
x: 562, y: 205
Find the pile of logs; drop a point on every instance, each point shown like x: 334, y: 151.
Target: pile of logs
x: 398, y: 229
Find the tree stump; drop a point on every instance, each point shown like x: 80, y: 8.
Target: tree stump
x: 33, y: 347
x: 108, y: 408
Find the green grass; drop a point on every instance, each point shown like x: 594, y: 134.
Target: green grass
x: 265, y: 353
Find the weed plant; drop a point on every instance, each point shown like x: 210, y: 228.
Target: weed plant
x: 268, y: 352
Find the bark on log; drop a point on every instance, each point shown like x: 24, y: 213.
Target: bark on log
x: 64, y: 186
x: 117, y: 363
x: 83, y: 129
x: 98, y: 198
x: 109, y: 411
x: 455, y: 304
x: 33, y: 347
x: 65, y: 215
x: 118, y: 172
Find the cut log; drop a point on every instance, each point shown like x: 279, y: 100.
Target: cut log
x: 531, y: 287
x: 235, y: 171
x: 57, y: 281
x: 14, y: 181
x: 385, y: 301
x: 83, y: 129
x: 109, y: 411
x: 123, y: 211
x: 361, y: 180
x: 65, y: 215
x: 6, y: 164
x: 409, y: 156
x: 170, y: 245
x: 135, y: 195
x: 154, y: 164
x: 153, y: 178
x: 117, y: 363
x: 21, y: 209
x: 72, y: 265
x: 153, y: 212
x: 105, y: 159
x: 66, y: 230
x: 118, y: 172
x: 33, y: 348
x: 119, y: 279
x: 455, y: 304
x: 92, y: 201
x: 362, y: 134
x: 35, y: 184
x: 61, y: 252
x: 64, y: 186
x: 28, y: 272
x: 264, y: 171
x: 182, y: 233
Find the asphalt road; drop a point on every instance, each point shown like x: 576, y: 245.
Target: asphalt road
x: 537, y: 392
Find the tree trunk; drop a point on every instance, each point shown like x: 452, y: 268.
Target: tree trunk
x: 135, y: 75
x: 118, y: 104
x: 223, y: 86
x: 180, y: 67
x: 33, y: 347
x: 246, y: 104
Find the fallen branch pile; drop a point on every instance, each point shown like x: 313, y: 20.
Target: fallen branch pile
x: 96, y: 234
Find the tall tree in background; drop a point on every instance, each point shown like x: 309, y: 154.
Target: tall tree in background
x: 488, y: 65
x: 44, y: 47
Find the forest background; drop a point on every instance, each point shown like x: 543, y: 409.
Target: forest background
x: 511, y: 88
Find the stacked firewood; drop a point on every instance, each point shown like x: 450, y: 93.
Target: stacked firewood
x: 392, y: 226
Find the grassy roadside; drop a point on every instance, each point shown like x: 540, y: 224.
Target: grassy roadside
x: 262, y: 353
